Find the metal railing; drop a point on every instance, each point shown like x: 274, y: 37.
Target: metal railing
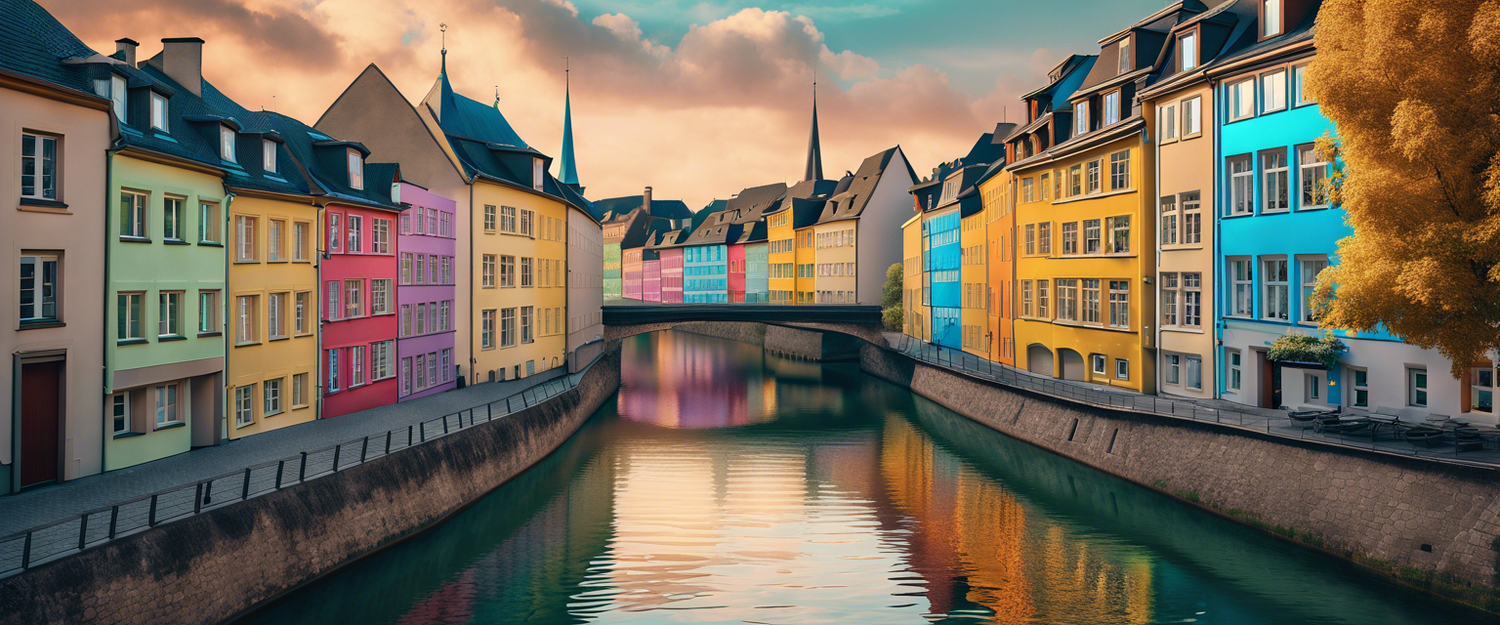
x: 1263, y: 421
x: 74, y: 534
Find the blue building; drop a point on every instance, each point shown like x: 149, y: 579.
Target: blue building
x: 941, y: 254
x: 705, y: 274
x: 1276, y: 230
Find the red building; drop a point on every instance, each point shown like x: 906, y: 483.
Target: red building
x: 737, y: 273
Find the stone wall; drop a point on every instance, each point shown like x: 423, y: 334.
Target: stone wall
x: 806, y: 342
x: 1419, y: 523
x: 216, y: 565
x: 753, y: 333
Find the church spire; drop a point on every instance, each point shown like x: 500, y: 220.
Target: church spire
x: 567, y: 165
x: 814, y: 149
x: 443, y: 28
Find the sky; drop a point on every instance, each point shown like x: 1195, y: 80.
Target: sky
x: 697, y: 99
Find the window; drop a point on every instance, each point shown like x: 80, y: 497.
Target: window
x: 1192, y: 299
x: 132, y: 214
x: 1168, y: 233
x: 1242, y: 99
x: 159, y: 117
x: 1093, y: 180
x: 1276, y: 175
x: 226, y: 143
x: 353, y: 298
x: 487, y: 271
x: 508, y: 327
x: 1091, y: 242
x: 1070, y: 238
x: 39, y: 167
x: 1171, y: 366
x: 1122, y: 369
x: 169, y: 314
x: 1300, y: 96
x: 1030, y: 239
x: 268, y: 155
x: 1192, y: 117
x: 1027, y: 190
x: 1041, y: 298
x: 1312, y: 385
x: 1189, y: 43
x: 1168, y: 299
x: 420, y: 272
x: 489, y: 218
x: 1044, y: 183
x: 208, y: 312
x: 1359, y: 388
x: 128, y: 316
x: 1075, y: 181
x: 1274, y: 299
x: 119, y: 410
x: 356, y: 235
x: 1416, y: 387
x: 1126, y: 63
x: 172, y: 218
x: 276, y: 315
x: 445, y: 317
x: 508, y: 219
x: 1080, y: 118
x: 526, y: 274
x: 1241, y: 185
x: 38, y: 288
x: 299, y: 390
x: 1044, y: 239
x: 380, y: 296
x: 536, y: 174
x: 356, y: 366
x: 247, y: 307
x: 1167, y: 122
x: 1111, y: 108
x: 526, y: 319
x: 208, y: 222
x: 528, y: 218
x: 1311, y: 267
x: 333, y: 231
x: 1119, y: 234
x: 380, y: 236
x: 507, y: 271
x: 421, y: 327
x: 166, y: 404
x: 244, y: 239
x: 333, y: 370
x: 1119, y: 304
x: 487, y: 329
x: 299, y: 242
x: 382, y: 360
x: 117, y: 96
x: 1195, y: 373
x: 1100, y: 364
x: 1273, y: 91
x: 1119, y: 170
x: 1192, y: 218
x: 1271, y: 17
x: 272, y: 393
x: 244, y: 407
x: 1090, y: 294
x: 276, y: 239
x: 1312, y: 172
x: 356, y: 163
x: 1026, y: 298
x: 301, y: 319
x: 1243, y: 288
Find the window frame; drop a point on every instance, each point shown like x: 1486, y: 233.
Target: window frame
x: 1195, y: 129
x: 1272, y: 287
x: 268, y: 156
x: 1418, y: 391
x: 1273, y: 100
x: 40, y: 163
x: 226, y: 143
x: 140, y: 201
x: 1270, y: 175
x: 354, y: 168
x: 1235, y: 103
x: 160, y: 107
x: 1239, y: 205
x: 1186, y: 51
x: 41, y: 285
x: 129, y: 318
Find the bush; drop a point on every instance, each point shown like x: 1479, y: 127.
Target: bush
x: 1297, y: 347
x: 891, y: 312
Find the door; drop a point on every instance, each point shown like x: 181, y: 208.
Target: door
x: 40, y: 422
x: 1265, y: 372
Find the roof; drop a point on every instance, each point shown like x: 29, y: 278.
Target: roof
x: 750, y: 205
x: 321, y: 159
x: 610, y: 208
x: 567, y: 169
x: 851, y: 203
x: 35, y: 44
x: 805, y: 199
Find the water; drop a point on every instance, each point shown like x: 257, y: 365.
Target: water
x: 726, y: 486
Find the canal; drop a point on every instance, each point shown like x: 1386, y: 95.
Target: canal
x: 724, y: 485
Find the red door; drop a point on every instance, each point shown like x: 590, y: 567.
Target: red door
x: 39, y: 422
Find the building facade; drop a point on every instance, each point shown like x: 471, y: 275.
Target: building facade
x: 426, y: 292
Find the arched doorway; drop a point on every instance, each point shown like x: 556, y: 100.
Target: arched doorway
x: 1039, y: 359
x: 1073, y: 367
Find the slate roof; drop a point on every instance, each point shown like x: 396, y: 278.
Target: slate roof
x: 851, y: 202
x: 35, y: 44
x: 610, y: 208
x: 321, y: 159
x: 806, y: 199
x: 751, y: 204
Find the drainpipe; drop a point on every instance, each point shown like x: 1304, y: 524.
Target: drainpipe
x: 470, y: 280
x: 224, y: 320
x: 103, y: 320
x: 1156, y: 283
x: 322, y: 302
x: 1220, y: 375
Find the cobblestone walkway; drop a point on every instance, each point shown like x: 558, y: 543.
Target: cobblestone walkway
x: 32, y: 508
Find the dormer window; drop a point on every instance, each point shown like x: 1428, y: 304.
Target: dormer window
x: 356, y: 170
x: 1189, y: 44
x: 536, y: 174
x: 1080, y: 118
x: 159, y: 112
x: 1111, y: 107
x: 268, y: 155
x: 1270, y: 16
x: 226, y: 143
x: 1126, y: 63
x: 117, y: 96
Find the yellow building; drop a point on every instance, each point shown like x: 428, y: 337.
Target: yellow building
x: 790, y: 233
x: 833, y: 243
x: 807, y: 259
x: 271, y: 383
x: 914, y: 309
x: 974, y: 275
x: 1084, y: 218
x: 519, y: 239
x: 999, y: 232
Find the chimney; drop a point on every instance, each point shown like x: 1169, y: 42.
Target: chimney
x: 182, y: 61
x: 127, y: 45
x: 646, y: 200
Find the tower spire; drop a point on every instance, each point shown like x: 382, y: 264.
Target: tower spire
x: 567, y: 165
x: 814, y: 149
x: 443, y: 28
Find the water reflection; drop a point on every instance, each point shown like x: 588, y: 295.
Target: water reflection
x: 727, y: 486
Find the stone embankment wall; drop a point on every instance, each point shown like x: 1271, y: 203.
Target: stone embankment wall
x: 217, y: 565
x: 1422, y: 524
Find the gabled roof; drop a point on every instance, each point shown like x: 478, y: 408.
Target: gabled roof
x: 751, y: 204
x: 851, y: 202
x: 755, y: 233
x: 610, y: 208
x: 35, y: 44
x: 320, y: 158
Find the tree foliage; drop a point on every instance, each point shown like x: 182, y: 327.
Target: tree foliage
x: 890, y: 297
x: 1414, y: 89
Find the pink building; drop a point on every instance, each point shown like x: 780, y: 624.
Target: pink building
x: 630, y: 271
x: 671, y: 275
x: 358, y: 290
x: 651, y: 277
x: 425, y: 294
x: 737, y: 274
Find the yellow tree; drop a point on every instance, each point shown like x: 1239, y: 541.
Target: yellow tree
x: 1413, y: 87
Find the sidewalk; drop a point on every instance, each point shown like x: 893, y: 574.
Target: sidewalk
x: 32, y: 508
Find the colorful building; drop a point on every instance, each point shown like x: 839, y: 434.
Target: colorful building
x: 913, y: 306
x: 737, y: 270
x: 705, y: 255
x: 425, y: 293
x: 164, y: 367
x: 57, y: 127
x: 852, y: 235
x: 793, y: 217
x: 999, y: 226
x: 630, y: 272
x: 941, y: 258
x: 756, y: 264
x: 671, y: 265
x: 746, y: 212
x: 629, y: 223
x: 651, y: 276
